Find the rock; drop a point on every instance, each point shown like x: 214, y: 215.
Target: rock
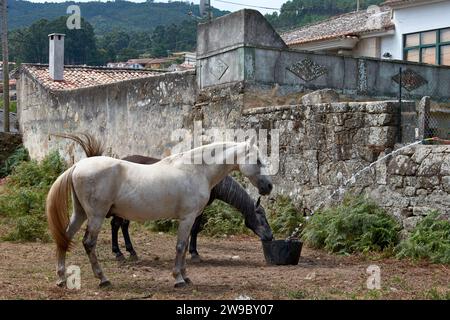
x: 410, y: 191
x: 421, y: 211
x: 320, y: 96
x: 382, y: 119
x: 381, y: 136
x: 446, y: 183
x: 403, y: 235
x: 445, y: 168
x: 402, y: 165
x: 427, y: 182
x: 431, y: 166
x: 421, y: 152
x: 410, y: 223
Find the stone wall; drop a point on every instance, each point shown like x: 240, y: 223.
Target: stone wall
x: 131, y: 117
x: 323, y: 145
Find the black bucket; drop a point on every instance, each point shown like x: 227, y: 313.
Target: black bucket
x: 282, y: 252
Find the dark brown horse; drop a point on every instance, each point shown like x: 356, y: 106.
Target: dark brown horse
x: 228, y: 191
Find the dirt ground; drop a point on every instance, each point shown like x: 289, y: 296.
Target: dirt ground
x: 231, y: 267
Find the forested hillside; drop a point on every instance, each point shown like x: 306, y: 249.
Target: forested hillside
x: 107, y: 16
x: 296, y: 13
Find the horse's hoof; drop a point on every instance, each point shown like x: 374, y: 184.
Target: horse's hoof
x: 120, y: 258
x: 179, y: 285
x: 188, y: 281
x: 61, y: 283
x: 133, y: 257
x: 105, y: 284
x: 195, y: 258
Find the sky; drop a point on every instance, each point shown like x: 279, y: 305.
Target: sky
x: 216, y: 4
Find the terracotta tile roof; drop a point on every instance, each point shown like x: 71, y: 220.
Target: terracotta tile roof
x: 76, y: 77
x: 349, y: 24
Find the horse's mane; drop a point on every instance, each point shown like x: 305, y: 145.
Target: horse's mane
x: 177, y: 156
x: 231, y: 192
x: 91, y: 146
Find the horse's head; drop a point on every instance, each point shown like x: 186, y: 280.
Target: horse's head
x: 257, y: 222
x: 253, y: 168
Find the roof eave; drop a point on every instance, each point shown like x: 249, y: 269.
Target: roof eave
x: 327, y: 44
x: 409, y: 4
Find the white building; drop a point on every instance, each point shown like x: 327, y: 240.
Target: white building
x: 414, y: 30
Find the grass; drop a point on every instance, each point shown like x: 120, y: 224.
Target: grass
x: 430, y: 240
x: 19, y: 155
x: 218, y: 219
x: 435, y: 294
x: 358, y: 225
x: 22, y: 201
x: 12, y: 106
x: 297, y: 295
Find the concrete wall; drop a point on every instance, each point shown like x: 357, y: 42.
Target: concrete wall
x: 132, y: 117
x: 256, y: 63
x: 415, y: 19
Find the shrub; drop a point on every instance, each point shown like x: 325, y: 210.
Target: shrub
x: 283, y: 216
x: 357, y: 225
x: 222, y: 219
x: 22, y: 201
x: 429, y: 240
x: 163, y: 225
x: 219, y: 219
x: 19, y: 155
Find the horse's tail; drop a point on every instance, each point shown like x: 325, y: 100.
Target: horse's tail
x: 91, y: 146
x: 57, y: 210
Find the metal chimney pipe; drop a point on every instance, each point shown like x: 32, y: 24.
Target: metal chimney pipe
x: 56, y: 56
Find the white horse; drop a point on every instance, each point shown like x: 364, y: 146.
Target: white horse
x: 176, y: 187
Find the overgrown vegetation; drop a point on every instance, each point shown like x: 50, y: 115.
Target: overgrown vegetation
x: 20, y: 155
x: 429, y: 240
x: 223, y: 219
x: 219, y: 219
x: 283, y: 216
x: 357, y: 225
x: 12, y: 106
x: 22, y: 201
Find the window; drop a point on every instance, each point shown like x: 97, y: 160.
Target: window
x: 428, y: 47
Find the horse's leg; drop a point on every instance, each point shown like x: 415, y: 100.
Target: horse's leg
x: 179, y: 271
x: 196, y: 228
x: 126, y: 236
x: 90, y: 242
x: 116, y: 223
x: 76, y: 221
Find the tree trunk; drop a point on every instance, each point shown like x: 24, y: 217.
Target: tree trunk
x: 4, y: 17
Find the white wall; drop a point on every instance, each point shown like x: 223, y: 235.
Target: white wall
x: 369, y: 47
x: 415, y: 19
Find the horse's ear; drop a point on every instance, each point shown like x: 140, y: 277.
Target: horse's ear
x: 258, y: 202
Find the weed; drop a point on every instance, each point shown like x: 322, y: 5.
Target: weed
x: 357, y: 225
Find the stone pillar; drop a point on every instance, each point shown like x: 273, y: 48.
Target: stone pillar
x: 424, y: 118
